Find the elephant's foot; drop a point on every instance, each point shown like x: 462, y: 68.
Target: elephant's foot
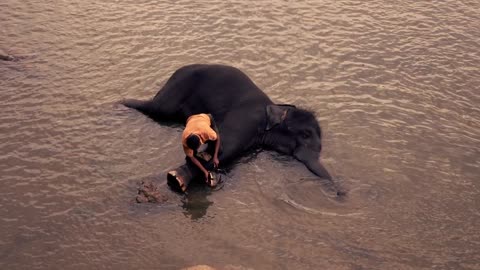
x: 212, y: 180
x: 175, y: 182
x: 148, y: 192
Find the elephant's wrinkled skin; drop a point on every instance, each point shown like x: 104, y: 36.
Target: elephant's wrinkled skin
x: 245, y: 115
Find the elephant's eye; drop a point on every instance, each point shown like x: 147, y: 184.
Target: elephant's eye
x: 306, y: 134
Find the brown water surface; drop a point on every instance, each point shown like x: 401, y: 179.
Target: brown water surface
x: 395, y: 85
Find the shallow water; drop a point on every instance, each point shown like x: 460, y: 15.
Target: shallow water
x: 395, y: 86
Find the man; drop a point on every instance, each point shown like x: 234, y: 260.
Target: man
x: 198, y: 137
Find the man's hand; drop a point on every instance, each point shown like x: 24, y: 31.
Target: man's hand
x: 200, y: 166
x: 216, y: 162
x: 206, y: 175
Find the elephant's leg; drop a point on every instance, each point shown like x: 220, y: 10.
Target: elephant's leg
x: 169, y: 103
x: 179, y: 178
x: 159, y: 109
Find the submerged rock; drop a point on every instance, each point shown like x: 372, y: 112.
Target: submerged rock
x: 5, y: 57
x: 149, y: 193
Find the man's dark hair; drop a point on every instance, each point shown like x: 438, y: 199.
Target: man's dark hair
x: 193, y: 141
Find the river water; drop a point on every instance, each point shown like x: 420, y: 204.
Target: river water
x: 395, y: 86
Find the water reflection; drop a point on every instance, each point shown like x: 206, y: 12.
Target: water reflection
x: 195, y: 203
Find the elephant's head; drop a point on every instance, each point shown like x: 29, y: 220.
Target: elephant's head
x: 296, y: 132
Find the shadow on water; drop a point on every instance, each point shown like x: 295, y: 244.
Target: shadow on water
x: 195, y: 203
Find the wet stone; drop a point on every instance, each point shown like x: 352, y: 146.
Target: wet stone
x: 5, y: 57
x: 149, y: 193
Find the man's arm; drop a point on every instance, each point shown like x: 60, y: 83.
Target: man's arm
x: 215, y: 155
x: 200, y: 166
x: 213, y: 125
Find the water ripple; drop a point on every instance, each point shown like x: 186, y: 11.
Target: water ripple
x: 394, y: 85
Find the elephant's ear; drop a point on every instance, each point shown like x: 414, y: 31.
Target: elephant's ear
x: 276, y: 114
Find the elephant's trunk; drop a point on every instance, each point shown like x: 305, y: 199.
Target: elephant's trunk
x: 317, y: 168
x: 311, y: 160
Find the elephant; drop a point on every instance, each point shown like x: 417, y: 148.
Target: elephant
x: 245, y: 116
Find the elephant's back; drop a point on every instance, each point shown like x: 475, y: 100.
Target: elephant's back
x: 218, y: 89
x: 218, y: 79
